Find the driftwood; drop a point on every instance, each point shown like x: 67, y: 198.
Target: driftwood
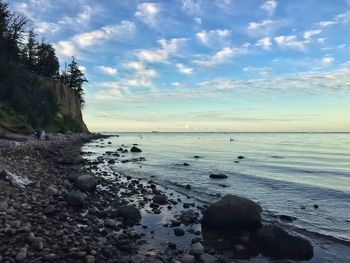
x: 13, y: 138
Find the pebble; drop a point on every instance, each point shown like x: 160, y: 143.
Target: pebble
x: 179, y: 232
x: 188, y: 259
x: 21, y: 255
x: 196, y: 250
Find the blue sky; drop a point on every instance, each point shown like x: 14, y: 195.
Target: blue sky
x: 205, y: 65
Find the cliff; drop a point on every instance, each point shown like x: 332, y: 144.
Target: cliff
x: 68, y: 101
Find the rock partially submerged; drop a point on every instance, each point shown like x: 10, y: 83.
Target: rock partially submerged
x: 135, y: 149
x: 233, y: 212
x: 14, y: 180
x: 218, y: 176
x: 277, y: 243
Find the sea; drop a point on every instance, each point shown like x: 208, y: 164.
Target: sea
x: 303, y: 175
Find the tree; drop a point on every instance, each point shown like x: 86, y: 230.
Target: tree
x: 47, y: 63
x: 29, y: 52
x: 74, y: 78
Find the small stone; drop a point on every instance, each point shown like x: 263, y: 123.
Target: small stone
x: 240, y: 157
x: 90, y: 259
x: 3, y: 206
x: 188, y: 259
x: 21, y: 255
x: 50, y: 209
x: 52, y: 190
x: 135, y: 149
x: 179, y: 232
x: 31, y: 237
x: 315, y: 206
x: 50, y: 257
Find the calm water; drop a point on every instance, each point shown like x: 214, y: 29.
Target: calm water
x: 281, y: 171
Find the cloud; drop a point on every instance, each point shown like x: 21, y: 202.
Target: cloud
x: 269, y: 6
x: 148, y: 13
x: 265, y: 27
x: 220, y: 57
x: 119, y: 32
x: 79, y: 20
x: 263, y: 71
x: 142, y: 74
x: 265, y: 43
x: 177, y: 84
x: 109, y: 71
x: 326, y: 23
x: 161, y: 55
x: 291, y: 42
x: 309, y: 34
x: 184, y: 69
x: 192, y: 6
x: 213, y: 37
x: 327, y: 60
x: 305, y: 82
x: 46, y: 27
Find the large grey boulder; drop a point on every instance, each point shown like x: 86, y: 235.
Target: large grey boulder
x: 233, y: 213
x: 85, y: 182
x: 278, y: 244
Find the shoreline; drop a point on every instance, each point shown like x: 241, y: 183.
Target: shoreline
x: 42, y: 227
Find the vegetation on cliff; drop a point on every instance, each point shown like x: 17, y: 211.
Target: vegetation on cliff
x: 23, y: 62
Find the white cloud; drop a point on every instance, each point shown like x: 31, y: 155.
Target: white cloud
x: 309, y: 34
x: 46, y: 27
x: 192, y: 6
x: 109, y: 71
x: 291, y: 41
x: 142, y: 74
x: 184, y: 69
x: 326, y: 23
x: 265, y: 27
x: 147, y: 13
x: 269, y: 6
x: 176, y: 84
x: 265, y: 43
x: 120, y: 32
x: 321, y: 39
x: 220, y: 57
x: 327, y: 60
x: 263, y: 71
x: 161, y: 55
x: 117, y: 32
x: 198, y: 20
x: 213, y: 37
x: 79, y: 20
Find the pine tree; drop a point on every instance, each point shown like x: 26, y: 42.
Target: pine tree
x: 29, y: 52
x: 47, y: 63
x: 74, y: 78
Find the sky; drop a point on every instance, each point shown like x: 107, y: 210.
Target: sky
x: 204, y: 65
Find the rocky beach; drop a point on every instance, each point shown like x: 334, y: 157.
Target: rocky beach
x: 58, y: 204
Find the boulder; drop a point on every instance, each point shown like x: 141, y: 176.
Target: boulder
x: 218, y: 176
x: 160, y: 199
x: 196, y: 250
x: 86, y: 182
x: 135, y: 149
x: 130, y: 213
x: 278, y: 244
x: 233, y: 213
x: 75, y: 199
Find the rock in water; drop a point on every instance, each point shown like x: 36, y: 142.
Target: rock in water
x: 233, y: 213
x: 277, y: 243
x: 160, y: 199
x: 218, y: 176
x: 14, y: 180
x: 86, y: 182
x: 135, y: 149
x: 130, y: 213
x: 75, y: 199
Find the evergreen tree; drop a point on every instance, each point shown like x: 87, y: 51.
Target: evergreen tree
x: 74, y: 78
x: 29, y: 53
x: 47, y: 63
